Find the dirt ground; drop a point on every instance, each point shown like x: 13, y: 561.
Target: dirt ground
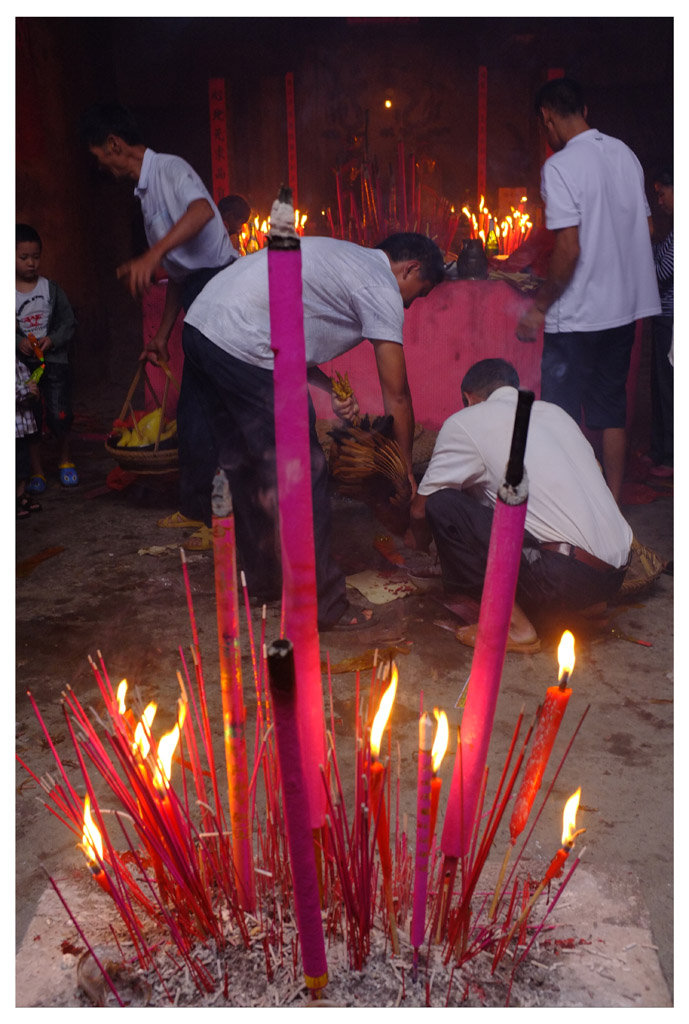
x: 88, y: 581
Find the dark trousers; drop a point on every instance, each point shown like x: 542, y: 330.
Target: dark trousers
x: 56, y: 397
x: 24, y: 457
x: 238, y: 398
x: 197, y: 452
x: 587, y: 370
x: 547, y: 581
x: 662, y: 393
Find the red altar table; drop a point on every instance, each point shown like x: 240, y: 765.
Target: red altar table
x: 444, y: 334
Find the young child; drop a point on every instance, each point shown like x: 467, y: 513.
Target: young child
x: 43, y: 312
x: 26, y: 394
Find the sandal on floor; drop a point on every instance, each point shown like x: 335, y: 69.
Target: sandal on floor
x: 26, y: 505
x: 202, y: 540
x: 36, y: 484
x: 352, y: 619
x: 467, y: 636
x: 179, y: 519
x: 68, y: 474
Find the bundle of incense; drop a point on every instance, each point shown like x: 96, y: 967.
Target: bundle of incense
x: 343, y: 389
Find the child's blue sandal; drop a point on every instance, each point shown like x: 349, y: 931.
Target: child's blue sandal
x: 68, y: 474
x: 36, y: 484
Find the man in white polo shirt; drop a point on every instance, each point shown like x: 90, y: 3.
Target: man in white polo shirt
x: 187, y: 238
x: 349, y: 294
x: 601, y: 276
x: 576, y: 543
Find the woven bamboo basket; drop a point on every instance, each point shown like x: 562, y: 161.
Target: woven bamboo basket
x: 159, y: 457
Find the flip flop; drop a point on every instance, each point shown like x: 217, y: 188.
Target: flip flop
x: 467, y: 636
x: 202, y: 540
x: 26, y: 505
x: 352, y: 620
x: 68, y: 474
x: 36, y: 484
x: 179, y: 519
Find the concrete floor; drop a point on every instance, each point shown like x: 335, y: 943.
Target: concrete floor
x: 86, y: 584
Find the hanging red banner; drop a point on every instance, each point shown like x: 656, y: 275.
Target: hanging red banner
x: 482, y: 131
x: 220, y: 164
x: 291, y: 138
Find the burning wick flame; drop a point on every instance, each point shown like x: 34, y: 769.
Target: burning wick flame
x: 121, y: 694
x: 565, y: 656
x: 442, y: 735
x: 383, y: 713
x: 166, y: 750
x: 91, y: 840
x: 142, y: 732
x: 569, y: 820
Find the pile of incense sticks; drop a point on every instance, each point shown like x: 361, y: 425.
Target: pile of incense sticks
x: 369, y: 207
x: 146, y: 809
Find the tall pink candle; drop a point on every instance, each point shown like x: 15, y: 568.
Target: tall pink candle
x: 401, y: 187
x: 234, y: 714
x: 497, y: 600
x: 295, y: 503
x: 281, y: 668
x: 423, y: 831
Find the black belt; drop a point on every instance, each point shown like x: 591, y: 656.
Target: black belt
x: 579, y: 555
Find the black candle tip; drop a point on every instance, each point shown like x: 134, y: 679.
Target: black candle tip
x: 280, y: 658
x: 515, y: 465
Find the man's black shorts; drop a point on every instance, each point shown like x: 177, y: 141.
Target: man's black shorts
x: 588, y: 370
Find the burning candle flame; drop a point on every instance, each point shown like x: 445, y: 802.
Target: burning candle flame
x: 383, y: 713
x: 143, y: 730
x: 166, y: 750
x: 569, y: 820
x: 91, y: 840
x: 442, y: 735
x: 121, y: 694
x: 565, y: 655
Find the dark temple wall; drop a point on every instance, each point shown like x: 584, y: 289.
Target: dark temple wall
x: 343, y: 69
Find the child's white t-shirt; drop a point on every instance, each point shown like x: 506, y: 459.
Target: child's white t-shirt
x: 33, y: 309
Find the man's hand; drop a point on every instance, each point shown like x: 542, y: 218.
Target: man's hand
x: 563, y: 262
x: 156, y: 350
x: 418, y: 536
x: 530, y: 324
x: 138, y: 273
x: 346, y: 408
